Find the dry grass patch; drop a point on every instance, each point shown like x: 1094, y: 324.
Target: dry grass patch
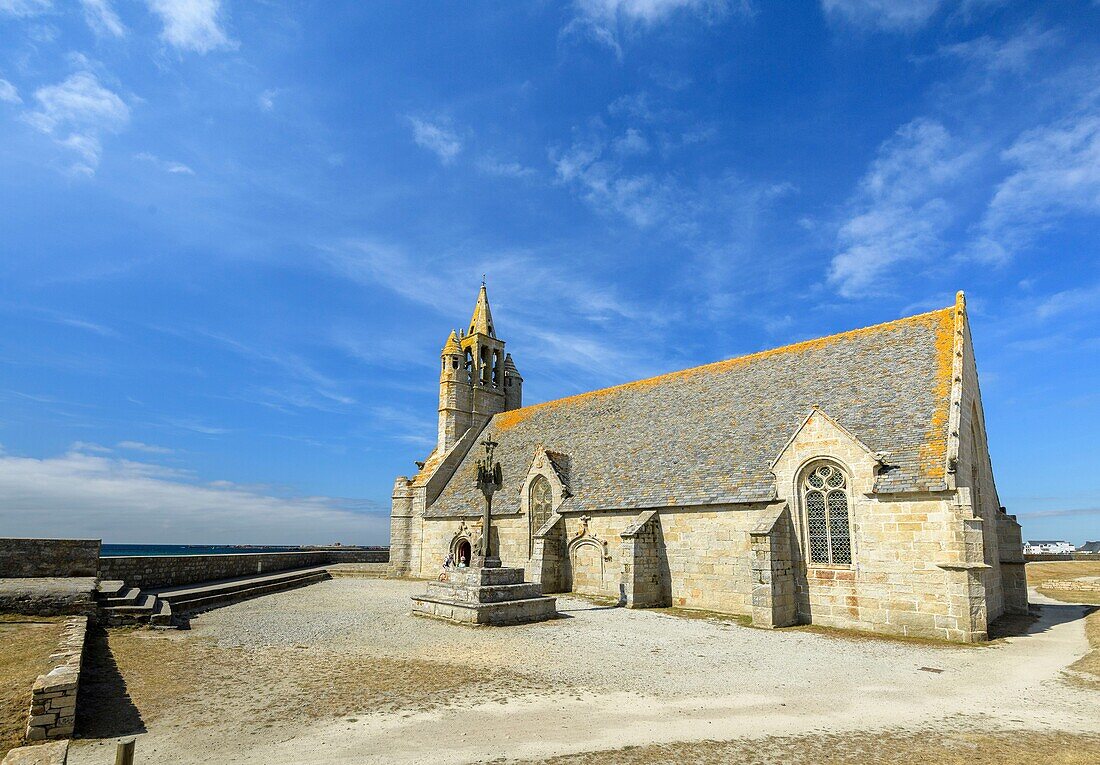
x: 177, y: 675
x: 1087, y: 669
x: 1062, y: 571
x: 861, y: 748
x: 25, y: 647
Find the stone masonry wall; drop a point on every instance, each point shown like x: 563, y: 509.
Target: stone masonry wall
x: 774, y: 601
x: 21, y: 558
x: 53, y: 700
x: 645, y: 572
x: 170, y: 570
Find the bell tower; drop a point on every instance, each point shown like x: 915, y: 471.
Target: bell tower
x: 477, y: 379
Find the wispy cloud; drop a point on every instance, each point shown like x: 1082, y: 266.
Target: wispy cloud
x: 93, y: 495
x: 168, y: 166
x: 102, y: 19
x: 266, y: 99
x: 138, y: 446
x: 504, y: 169
x: 1056, y: 173
x: 900, y: 212
x: 887, y: 15
x: 1080, y: 299
x: 83, y: 107
x: 1060, y: 513
x: 604, y: 21
x: 9, y: 93
x: 436, y: 138
x: 1013, y: 54
x: 192, y: 25
x: 24, y: 8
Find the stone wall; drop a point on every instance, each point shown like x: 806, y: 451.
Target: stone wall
x: 148, y: 571
x: 53, y: 700
x: 774, y: 596
x: 48, y: 557
x: 645, y: 572
x: 1076, y: 585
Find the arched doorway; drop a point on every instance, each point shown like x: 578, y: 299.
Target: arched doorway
x: 462, y: 552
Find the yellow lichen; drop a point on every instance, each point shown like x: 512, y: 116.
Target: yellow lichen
x: 933, y: 452
x: 942, y: 318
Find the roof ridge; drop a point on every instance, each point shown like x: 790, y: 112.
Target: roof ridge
x: 506, y: 419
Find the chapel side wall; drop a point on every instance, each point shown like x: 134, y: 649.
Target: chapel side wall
x: 975, y: 471
x: 896, y: 583
x: 709, y: 555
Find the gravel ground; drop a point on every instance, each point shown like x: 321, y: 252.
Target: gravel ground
x: 341, y: 672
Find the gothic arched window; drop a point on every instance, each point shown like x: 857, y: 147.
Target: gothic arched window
x: 825, y: 500
x: 540, y: 501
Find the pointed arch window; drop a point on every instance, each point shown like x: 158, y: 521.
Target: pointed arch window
x: 540, y: 505
x: 825, y: 498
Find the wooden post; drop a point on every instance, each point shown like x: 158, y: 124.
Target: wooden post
x: 124, y: 754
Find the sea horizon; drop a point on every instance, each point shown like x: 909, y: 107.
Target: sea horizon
x: 110, y: 550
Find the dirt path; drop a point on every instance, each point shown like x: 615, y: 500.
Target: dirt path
x: 602, y: 679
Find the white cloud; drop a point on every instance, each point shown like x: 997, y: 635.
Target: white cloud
x: 138, y: 446
x: 602, y: 21
x: 24, y: 8
x: 266, y: 100
x: 9, y: 93
x: 502, y: 169
x: 1078, y: 300
x: 649, y: 11
x: 102, y: 19
x: 631, y: 142
x: 899, y: 213
x: 91, y: 495
x: 81, y: 102
x: 168, y: 166
x: 1014, y: 54
x: 83, y: 107
x: 889, y: 15
x: 194, y: 25
x: 1056, y: 173
x: 436, y: 138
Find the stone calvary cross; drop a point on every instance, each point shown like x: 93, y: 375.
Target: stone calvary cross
x: 490, y: 479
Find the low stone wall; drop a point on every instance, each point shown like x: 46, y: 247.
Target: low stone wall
x: 1046, y: 557
x: 148, y: 571
x: 1075, y: 585
x: 48, y: 557
x: 53, y: 703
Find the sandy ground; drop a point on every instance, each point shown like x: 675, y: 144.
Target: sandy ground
x: 340, y: 672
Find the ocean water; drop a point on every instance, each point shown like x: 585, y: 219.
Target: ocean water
x: 109, y: 550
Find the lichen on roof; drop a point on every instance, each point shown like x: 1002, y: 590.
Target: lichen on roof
x: 707, y: 434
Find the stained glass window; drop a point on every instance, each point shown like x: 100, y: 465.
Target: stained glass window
x: 825, y: 498
x: 540, y: 502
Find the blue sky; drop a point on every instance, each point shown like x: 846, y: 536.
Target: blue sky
x: 234, y: 235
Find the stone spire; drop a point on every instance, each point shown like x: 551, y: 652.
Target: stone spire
x: 482, y: 321
x: 451, y: 347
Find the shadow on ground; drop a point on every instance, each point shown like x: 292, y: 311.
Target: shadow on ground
x: 1038, y: 619
x: 104, y: 709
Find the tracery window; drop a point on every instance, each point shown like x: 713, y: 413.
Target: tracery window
x: 825, y: 499
x: 540, y: 502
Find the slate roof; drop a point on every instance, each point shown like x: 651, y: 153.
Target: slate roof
x: 709, y: 434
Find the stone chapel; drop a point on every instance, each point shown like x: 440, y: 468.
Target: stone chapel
x: 843, y: 481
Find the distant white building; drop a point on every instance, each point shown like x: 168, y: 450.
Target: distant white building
x: 1093, y: 548
x: 1047, y: 547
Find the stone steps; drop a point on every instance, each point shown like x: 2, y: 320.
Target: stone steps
x: 489, y: 596
x: 159, y: 607
x: 202, y: 597
x: 485, y: 594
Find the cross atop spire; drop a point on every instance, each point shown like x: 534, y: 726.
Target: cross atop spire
x: 481, y: 323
